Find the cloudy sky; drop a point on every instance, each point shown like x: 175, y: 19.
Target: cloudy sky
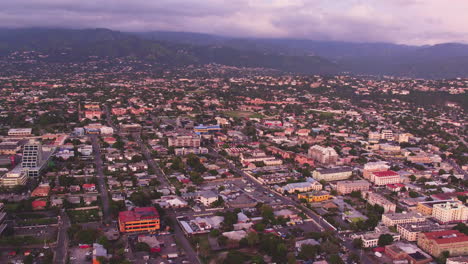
x: 398, y: 21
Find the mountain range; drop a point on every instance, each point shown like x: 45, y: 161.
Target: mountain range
x: 300, y: 56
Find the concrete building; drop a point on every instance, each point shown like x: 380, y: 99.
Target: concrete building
x: 139, y: 219
x: 15, y: 177
x: 184, y: 141
x: 411, y: 231
x: 300, y: 187
x: 373, y: 137
x: 427, y: 207
x: 15, y: 132
x: 435, y: 243
x: 313, y: 197
x: 332, y: 174
x: 371, y: 239
x: 404, y: 252
x: 450, y: 212
x: 372, y: 167
x: 346, y: 187
x: 392, y: 219
x: 323, y: 155
x: 374, y: 198
x: 385, y: 177
x: 32, y: 154
x: 387, y: 135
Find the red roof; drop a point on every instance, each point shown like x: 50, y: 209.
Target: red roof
x: 447, y: 236
x: 38, y: 203
x: 387, y: 173
x: 89, y: 185
x: 138, y: 214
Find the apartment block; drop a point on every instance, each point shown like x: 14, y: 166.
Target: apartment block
x: 392, y: 219
x: 323, y: 155
x: 332, y: 174
x: 450, y: 212
x: 346, y: 187
x: 374, y: 198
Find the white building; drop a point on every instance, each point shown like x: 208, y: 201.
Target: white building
x: 450, y: 212
x: 20, y: 132
x: 324, y: 155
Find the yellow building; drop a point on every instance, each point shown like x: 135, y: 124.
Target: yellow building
x: 313, y: 197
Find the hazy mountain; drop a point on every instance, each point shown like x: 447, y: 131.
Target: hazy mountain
x: 65, y: 44
x: 291, y: 55
x: 438, y: 61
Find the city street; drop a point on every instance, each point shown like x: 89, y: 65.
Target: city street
x: 101, y: 180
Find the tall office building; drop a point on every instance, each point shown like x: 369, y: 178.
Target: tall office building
x: 32, y: 154
x: 32, y: 161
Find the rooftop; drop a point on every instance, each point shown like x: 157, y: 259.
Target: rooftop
x: 139, y: 213
x: 387, y: 173
x: 447, y: 236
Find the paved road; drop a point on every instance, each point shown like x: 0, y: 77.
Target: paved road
x: 61, y: 250
x: 146, y: 153
x: 458, y: 168
x: 109, y: 120
x: 360, y: 252
x: 318, y: 220
x: 101, y: 180
x: 179, y: 234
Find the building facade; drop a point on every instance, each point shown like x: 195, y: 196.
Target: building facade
x: 139, y: 219
x: 323, y: 155
x: 332, y: 174
x: 393, y: 219
x: 346, y: 187
x: 435, y: 243
x: 450, y: 212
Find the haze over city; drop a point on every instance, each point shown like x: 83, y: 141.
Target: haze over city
x: 233, y: 132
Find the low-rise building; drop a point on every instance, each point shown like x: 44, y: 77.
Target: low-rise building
x: 392, y: 219
x: 374, y: 198
x: 411, y: 231
x: 300, y: 187
x: 427, y: 207
x: 346, y: 187
x: 453, y: 241
x: 184, y: 141
x: 385, y: 177
x: 14, y: 178
x: 332, y: 174
x: 371, y: 239
x: 14, y: 132
x: 139, y: 219
x: 372, y: 167
x: 313, y: 197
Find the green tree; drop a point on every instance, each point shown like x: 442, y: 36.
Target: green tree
x: 357, y: 243
x: 222, y: 240
x: 252, y: 238
x: 308, y: 252
x: 141, y: 246
x: 335, y: 259
x: 384, y: 240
